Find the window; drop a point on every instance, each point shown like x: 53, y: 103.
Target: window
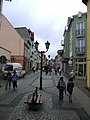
x: 8, y: 67
x: 80, y: 28
x: 80, y: 45
x: 81, y: 60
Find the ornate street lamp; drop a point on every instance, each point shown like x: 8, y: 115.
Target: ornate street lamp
x: 47, y: 44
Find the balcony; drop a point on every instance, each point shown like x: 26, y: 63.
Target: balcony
x: 80, y: 32
x: 64, y: 60
x: 80, y: 50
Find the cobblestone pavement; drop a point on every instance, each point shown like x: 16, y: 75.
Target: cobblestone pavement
x: 12, y: 105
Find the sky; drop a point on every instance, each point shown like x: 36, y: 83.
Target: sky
x: 46, y: 18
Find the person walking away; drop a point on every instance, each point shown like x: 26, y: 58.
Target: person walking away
x: 33, y: 69
x: 9, y: 79
x: 62, y: 87
x: 50, y: 70
x: 70, y: 86
x: 14, y: 79
x: 55, y: 71
x: 46, y: 69
x: 72, y: 74
x: 59, y: 71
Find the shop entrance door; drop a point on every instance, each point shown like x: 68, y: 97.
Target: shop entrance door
x: 81, y: 70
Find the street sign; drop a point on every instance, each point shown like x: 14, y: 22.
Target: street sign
x: 70, y: 62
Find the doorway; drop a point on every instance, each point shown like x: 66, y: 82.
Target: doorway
x: 81, y: 70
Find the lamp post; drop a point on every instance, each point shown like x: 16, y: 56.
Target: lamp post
x: 47, y: 44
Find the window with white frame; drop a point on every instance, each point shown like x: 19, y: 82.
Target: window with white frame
x: 80, y: 28
x: 71, y: 39
x: 80, y: 45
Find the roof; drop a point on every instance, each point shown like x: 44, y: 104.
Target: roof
x: 23, y: 32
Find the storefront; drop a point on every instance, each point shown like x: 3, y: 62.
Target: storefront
x: 81, y: 68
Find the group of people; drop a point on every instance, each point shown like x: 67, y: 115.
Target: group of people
x: 65, y: 88
x: 11, y: 78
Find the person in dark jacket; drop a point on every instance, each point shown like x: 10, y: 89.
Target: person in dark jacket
x: 62, y: 87
x: 9, y: 79
x: 70, y: 86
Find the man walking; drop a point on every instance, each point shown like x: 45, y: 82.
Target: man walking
x: 14, y: 79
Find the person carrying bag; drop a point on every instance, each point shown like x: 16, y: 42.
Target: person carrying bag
x: 70, y: 86
x: 62, y: 87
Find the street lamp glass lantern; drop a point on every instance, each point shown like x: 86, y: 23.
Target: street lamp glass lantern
x: 47, y: 45
x: 36, y: 45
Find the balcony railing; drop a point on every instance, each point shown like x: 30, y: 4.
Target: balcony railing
x: 80, y: 50
x: 80, y: 32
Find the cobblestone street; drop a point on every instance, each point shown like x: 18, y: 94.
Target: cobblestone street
x: 12, y: 105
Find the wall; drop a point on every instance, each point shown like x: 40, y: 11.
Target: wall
x: 88, y: 43
x: 10, y: 39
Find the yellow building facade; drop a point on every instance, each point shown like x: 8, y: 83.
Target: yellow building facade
x: 87, y: 2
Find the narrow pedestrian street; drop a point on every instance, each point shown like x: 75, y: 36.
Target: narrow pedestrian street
x: 44, y: 52
x: 12, y: 106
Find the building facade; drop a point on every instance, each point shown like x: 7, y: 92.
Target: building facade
x: 12, y: 45
x: 87, y: 2
x: 28, y: 37
x: 75, y: 45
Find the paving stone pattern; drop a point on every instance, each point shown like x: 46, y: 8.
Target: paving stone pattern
x: 46, y: 112
x: 12, y: 105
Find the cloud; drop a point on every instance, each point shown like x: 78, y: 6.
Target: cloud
x: 47, y: 18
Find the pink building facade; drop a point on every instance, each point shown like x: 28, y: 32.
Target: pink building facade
x: 12, y: 46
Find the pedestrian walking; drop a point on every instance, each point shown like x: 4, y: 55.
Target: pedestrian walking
x: 70, y: 86
x: 33, y: 69
x: 50, y: 70
x: 59, y: 71
x: 62, y: 87
x: 14, y: 79
x: 55, y: 71
x: 72, y: 74
x: 9, y: 79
